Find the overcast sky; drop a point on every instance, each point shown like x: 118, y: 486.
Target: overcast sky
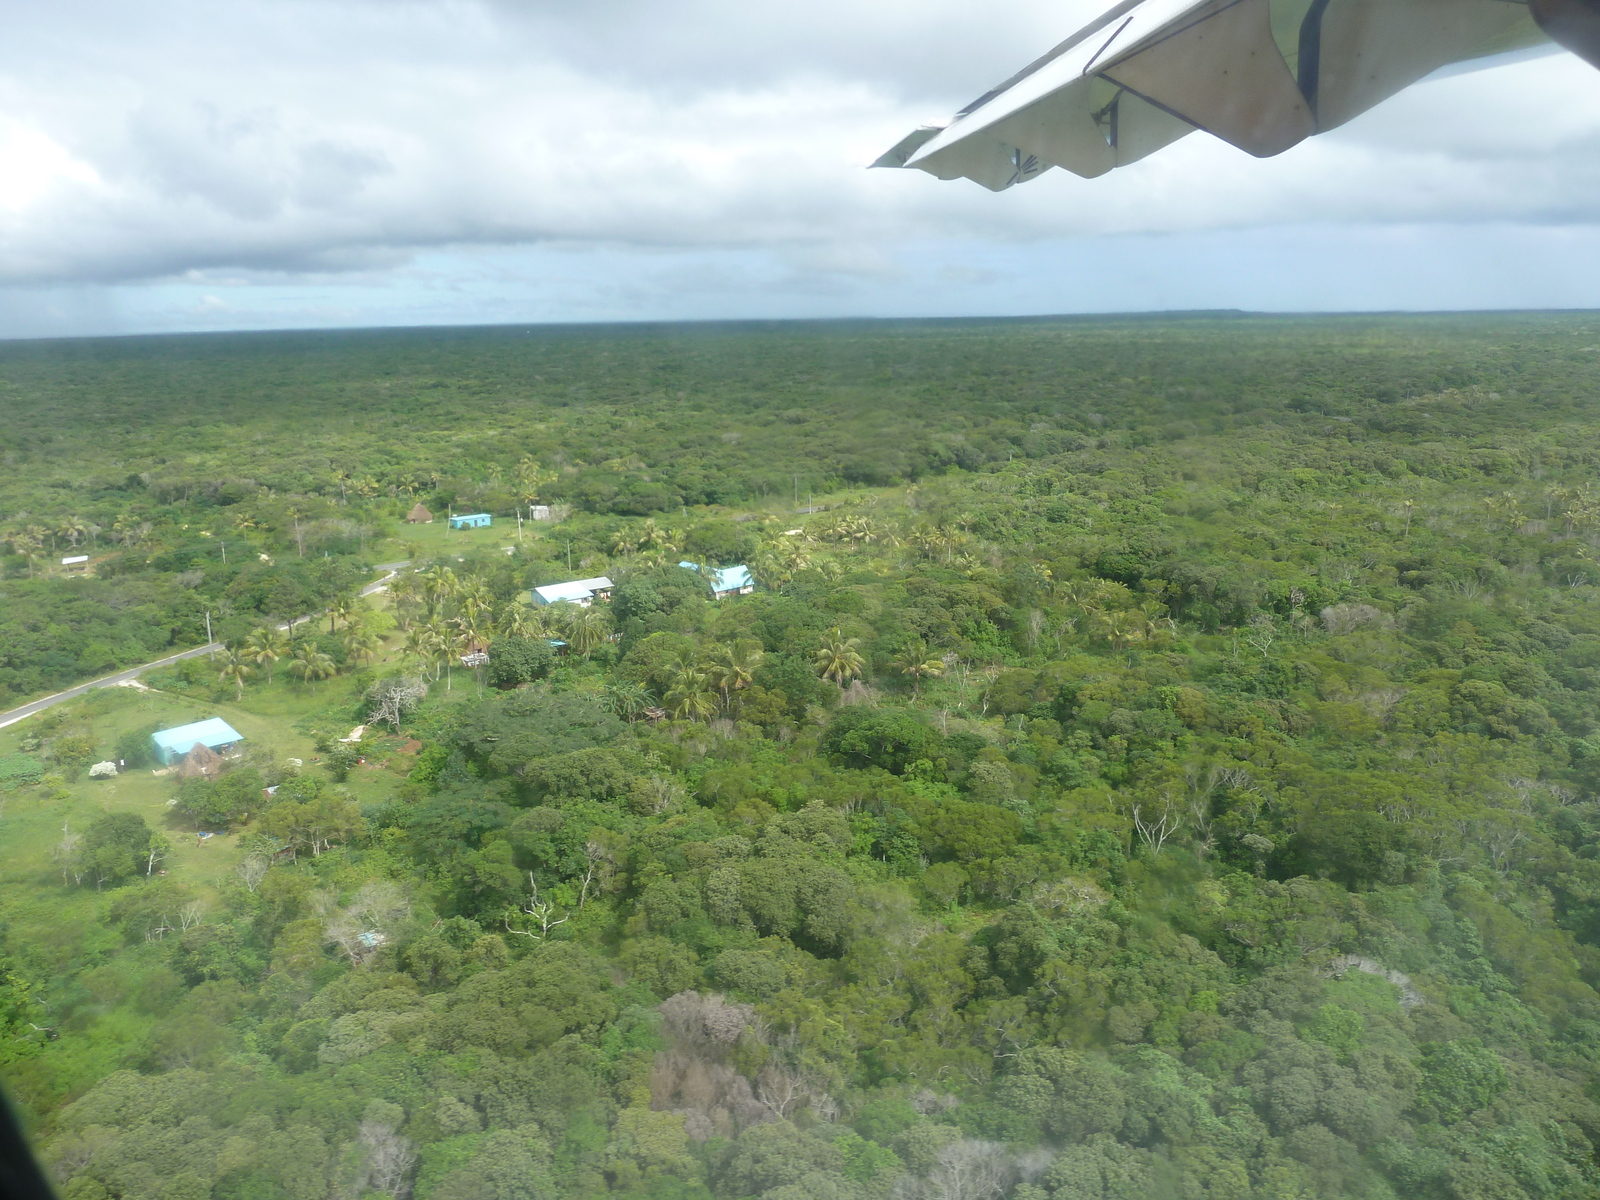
x: 188, y: 165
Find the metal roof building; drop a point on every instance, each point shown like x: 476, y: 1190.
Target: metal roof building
x: 172, y: 744
x: 727, y: 581
x: 471, y: 521
x: 580, y: 591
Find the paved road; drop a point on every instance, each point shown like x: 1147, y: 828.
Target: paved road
x: 27, y: 710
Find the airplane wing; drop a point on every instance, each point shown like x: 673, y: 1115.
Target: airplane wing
x: 1262, y: 75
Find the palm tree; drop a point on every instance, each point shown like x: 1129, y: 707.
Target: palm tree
x: 837, y: 658
x: 622, y: 545
x: 531, y: 477
x: 235, y: 668
x: 403, y: 590
x: 626, y: 700
x: 587, y: 629
x: 265, y: 646
x: 518, y: 620
x: 766, y: 568
x: 471, y: 631
x: 691, y: 700
x: 1152, y: 625
x: 915, y: 661
x: 26, y: 543
x: 733, y: 668
x: 359, y: 643
x: 441, y: 642
x: 1122, y: 627
x: 74, y: 529
x: 474, y: 597
x: 294, y: 513
x: 311, y: 664
x: 422, y: 646
x: 438, y: 584
x: 659, y: 539
x: 683, y: 670
x: 343, y: 609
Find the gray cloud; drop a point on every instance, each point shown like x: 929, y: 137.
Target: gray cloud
x: 276, y: 139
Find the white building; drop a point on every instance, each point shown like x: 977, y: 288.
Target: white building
x: 582, y: 592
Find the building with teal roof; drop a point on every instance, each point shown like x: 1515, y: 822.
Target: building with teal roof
x: 214, y: 734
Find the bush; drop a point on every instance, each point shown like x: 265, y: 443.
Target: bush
x: 516, y: 660
x: 341, y: 761
x: 135, y: 748
x: 218, y: 805
x: 115, y: 847
x: 18, y: 770
x: 888, y: 738
x: 721, y: 542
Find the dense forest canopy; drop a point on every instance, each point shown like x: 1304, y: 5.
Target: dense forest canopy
x: 1160, y: 759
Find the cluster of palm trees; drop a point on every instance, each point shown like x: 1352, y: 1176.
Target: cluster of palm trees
x: 777, y: 563
x: 1108, y: 606
x: 446, y: 616
x: 269, y: 645
x: 30, y: 540
x: 649, y: 545
x: 858, y: 530
x: 700, y: 687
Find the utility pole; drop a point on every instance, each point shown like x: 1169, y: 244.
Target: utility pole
x: 224, y: 553
x: 209, y: 641
x: 569, y: 558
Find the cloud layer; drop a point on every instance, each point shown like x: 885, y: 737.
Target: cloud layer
x: 290, y: 142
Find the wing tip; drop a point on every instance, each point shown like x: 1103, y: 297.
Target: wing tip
x: 900, y: 153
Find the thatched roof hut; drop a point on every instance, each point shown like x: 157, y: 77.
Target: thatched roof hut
x: 202, y: 760
x: 419, y: 515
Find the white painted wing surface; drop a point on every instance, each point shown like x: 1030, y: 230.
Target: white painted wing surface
x: 1262, y: 75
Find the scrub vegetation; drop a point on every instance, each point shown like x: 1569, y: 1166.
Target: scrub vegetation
x: 1160, y: 761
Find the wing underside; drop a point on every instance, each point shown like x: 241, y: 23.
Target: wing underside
x: 1262, y: 75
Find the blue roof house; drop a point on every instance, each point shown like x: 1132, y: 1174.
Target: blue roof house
x: 172, y: 744
x: 727, y: 581
x: 471, y: 521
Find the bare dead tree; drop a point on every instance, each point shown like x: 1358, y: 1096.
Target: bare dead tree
x: 1163, y: 821
x: 253, y: 870
x: 68, y: 856
x: 363, y: 925
x: 538, y: 912
x: 1263, y: 632
x: 970, y: 1170
x: 780, y: 1090
x: 392, y: 699
x: 191, y: 914
x: 388, y: 1160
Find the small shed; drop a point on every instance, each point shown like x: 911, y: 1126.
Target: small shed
x: 582, y: 592
x: 471, y: 521
x: 172, y: 745
x: 539, y: 512
x: 727, y: 581
x: 419, y: 515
